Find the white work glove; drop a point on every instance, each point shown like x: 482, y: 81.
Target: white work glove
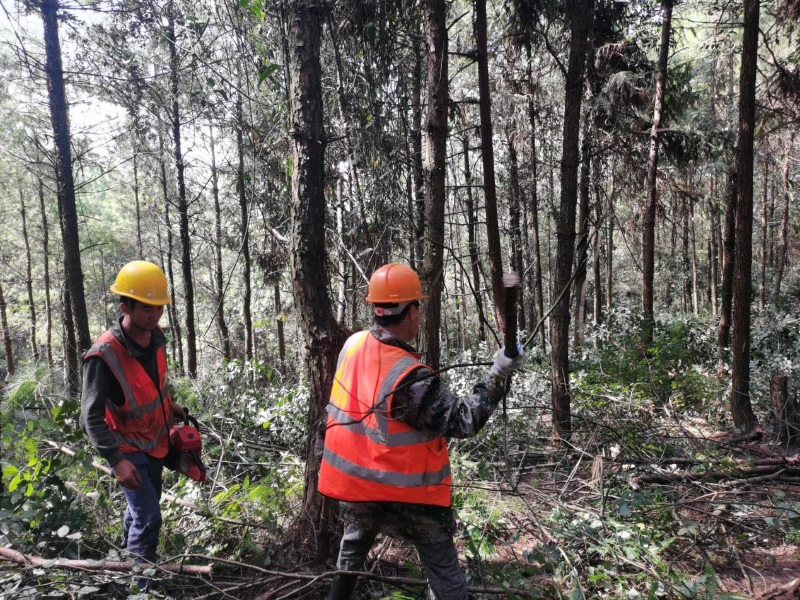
x: 504, y: 366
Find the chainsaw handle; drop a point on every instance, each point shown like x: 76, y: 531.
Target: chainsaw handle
x: 190, y: 419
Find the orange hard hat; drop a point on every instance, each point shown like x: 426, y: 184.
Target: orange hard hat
x: 394, y: 283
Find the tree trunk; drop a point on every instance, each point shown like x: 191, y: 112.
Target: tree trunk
x: 581, y: 251
x: 28, y: 276
x: 244, y: 232
x: 71, y: 373
x: 139, y: 246
x: 610, y: 239
x: 536, y: 287
x: 222, y: 326
x: 762, y: 280
x: 515, y: 195
x: 48, y: 308
x: 649, y: 224
x: 784, y: 410
x: 435, y: 12
x: 183, y: 204
x: 6, y: 334
x: 66, y: 184
x: 713, y: 257
x: 598, y: 217
x: 693, y: 242
x: 782, y: 253
x: 582, y: 20
x: 487, y: 152
x: 279, y: 318
x: 474, y: 259
x: 687, y: 282
x: 741, y: 408
x: 172, y: 307
x: 729, y: 247
x: 322, y: 334
x: 416, y: 157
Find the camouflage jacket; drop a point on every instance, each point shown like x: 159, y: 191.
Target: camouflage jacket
x: 427, y: 405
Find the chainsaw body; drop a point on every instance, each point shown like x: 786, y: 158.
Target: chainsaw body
x: 185, y: 446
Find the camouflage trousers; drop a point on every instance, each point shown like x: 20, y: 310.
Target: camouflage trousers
x: 429, y: 528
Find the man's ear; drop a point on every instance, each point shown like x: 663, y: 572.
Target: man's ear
x: 125, y: 309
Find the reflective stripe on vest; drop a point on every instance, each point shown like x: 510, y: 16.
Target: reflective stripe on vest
x: 369, y: 456
x: 139, y: 424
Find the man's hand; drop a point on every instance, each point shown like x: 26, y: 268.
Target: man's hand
x: 504, y: 366
x: 179, y: 412
x: 127, y: 475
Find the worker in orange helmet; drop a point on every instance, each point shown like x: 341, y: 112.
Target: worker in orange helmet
x: 385, y: 457
x: 126, y: 410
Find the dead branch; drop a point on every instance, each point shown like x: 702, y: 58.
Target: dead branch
x: 29, y: 560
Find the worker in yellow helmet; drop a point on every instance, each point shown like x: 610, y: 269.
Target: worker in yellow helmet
x: 126, y: 410
x: 389, y: 417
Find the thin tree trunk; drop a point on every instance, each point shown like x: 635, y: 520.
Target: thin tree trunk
x: 48, y: 308
x: 435, y: 166
x: 28, y: 276
x: 183, y: 204
x: 693, y: 241
x: 244, y: 232
x: 782, y: 254
x: 516, y: 228
x: 222, y: 326
x: 537, y: 287
x: 487, y: 153
x: 172, y: 307
x: 474, y: 259
x: 581, y: 251
x: 341, y: 305
x: 139, y: 246
x: 71, y: 374
x: 416, y: 157
x: 582, y: 20
x: 741, y: 408
x: 66, y: 184
x: 762, y: 281
x: 649, y: 224
x: 161, y: 254
x: 729, y: 247
x: 598, y: 216
x: 713, y: 257
x: 6, y: 333
x: 279, y: 317
x: 322, y: 335
x: 685, y: 259
x: 610, y: 239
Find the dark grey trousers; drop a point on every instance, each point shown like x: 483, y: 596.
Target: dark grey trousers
x: 439, y: 558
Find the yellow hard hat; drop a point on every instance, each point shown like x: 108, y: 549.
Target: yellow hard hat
x: 142, y: 281
x: 394, y: 283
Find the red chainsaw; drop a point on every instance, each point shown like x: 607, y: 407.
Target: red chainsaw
x: 185, y: 445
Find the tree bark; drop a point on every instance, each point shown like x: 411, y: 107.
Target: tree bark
x: 172, y: 307
x: 693, y: 242
x: 416, y: 158
x: 782, y: 253
x: 582, y: 19
x: 244, y: 232
x: 472, y: 245
x: 435, y: 12
x: 222, y: 326
x: 741, y: 408
x: 713, y: 258
x: 649, y: 219
x: 66, y: 184
x: 729, y: 247
x: 139, y: 246
x: 515, y: 199
x: 610, y: 239
x: 71, y: 374
x: 581, y: 251
x: 487, y: 153
x: 183, y: 204
x: 6, y: 333
x: 598, y: 217
x: 28, y: 276
x: 48, y: 308
x: 538, y: 288
x: 762, y: 281
x: 322, y: 334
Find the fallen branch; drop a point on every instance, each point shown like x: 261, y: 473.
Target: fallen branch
x: 28, y: 560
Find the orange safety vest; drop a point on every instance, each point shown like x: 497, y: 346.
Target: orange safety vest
x: 139, y: 424
x: 370, y: 456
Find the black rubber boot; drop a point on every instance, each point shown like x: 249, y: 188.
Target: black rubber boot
x: 342, y: 587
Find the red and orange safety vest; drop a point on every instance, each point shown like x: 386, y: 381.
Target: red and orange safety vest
x: 140, y: 424
x: 370, y: 456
